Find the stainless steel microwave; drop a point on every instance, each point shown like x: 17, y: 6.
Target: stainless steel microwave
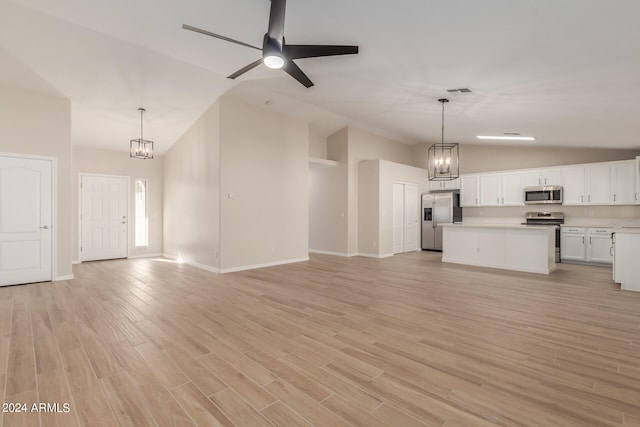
x: 550, y: 194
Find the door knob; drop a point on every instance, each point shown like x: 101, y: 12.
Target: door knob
x: 45, y: 227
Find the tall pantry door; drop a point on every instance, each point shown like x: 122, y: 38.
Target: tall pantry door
x: 26, y: 214
x: 406, y: 215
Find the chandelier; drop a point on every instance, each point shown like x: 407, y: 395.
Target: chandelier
x: 141, y: 148
x: 443, y: 159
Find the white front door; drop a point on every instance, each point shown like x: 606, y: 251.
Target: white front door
x: 411, y: 217
x: 103, y: 218
x: 25, y: 220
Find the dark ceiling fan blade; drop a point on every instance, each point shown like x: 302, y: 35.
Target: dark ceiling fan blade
x: 294, y: 71
x: 297, y: 51
x: 276, y: 20
x: 243, y: 70
x: 218, y: 36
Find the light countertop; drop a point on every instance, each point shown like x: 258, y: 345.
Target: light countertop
x: 510, y: 226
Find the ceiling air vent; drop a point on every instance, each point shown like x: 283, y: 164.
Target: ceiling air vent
x: 461, y: 90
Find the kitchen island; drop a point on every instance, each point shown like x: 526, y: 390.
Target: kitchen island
x: 506, y: 246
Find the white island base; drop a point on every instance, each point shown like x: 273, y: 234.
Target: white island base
x: 510, y: 247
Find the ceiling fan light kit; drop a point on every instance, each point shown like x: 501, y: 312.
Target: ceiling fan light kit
x: 443, y: 159
x: 276, y: 53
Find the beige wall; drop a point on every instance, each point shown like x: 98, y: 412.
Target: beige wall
x: 488, y: 158
x: 375, y: 200
x: 369, y: 207
x: 328, y: 199
x: 264, y: 206
x: 192, y: 193
x: 317, y: 145
x: 35, y: 124
x: 334, y: 198
x: 109, y: 162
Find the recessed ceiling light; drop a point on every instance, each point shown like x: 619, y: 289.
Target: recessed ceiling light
x: 511, y: 138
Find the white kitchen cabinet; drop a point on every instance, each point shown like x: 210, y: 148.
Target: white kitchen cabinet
x: 572, y: 244
x: 587, y: 184
x: 469, y: 190
x: 513, y: 184
x: 623, y: 182
x: 637, y: 195
x: 626, y: 266
x: 490, y: 191
x: 531, y: 178
x: 599, y: 245
x: 573, y: 185
x: 453, y: 184
x: 551, y: 176
x: 598, y: 184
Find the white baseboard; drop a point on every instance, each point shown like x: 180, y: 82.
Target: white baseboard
x: 267, y: 264
x: 61, y: 278
x: 375, y: 255
x: 154, y: 255
x: 195, y: 264
x: 75, y: 262
x: 204, y: 267
x: 321, y: 252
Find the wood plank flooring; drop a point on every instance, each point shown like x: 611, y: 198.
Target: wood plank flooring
x: 402, y: 341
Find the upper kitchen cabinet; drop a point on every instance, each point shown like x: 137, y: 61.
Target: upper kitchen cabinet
x: 598, y: 183
x: 551, y: 176
x: 490, y: 189
x: 513, y: 184
x: 587, y: 184
x: 546, y: 176
x: 573, y: 185
x: 469, y: 190
x: 624, y: 182
x: 453, y: 184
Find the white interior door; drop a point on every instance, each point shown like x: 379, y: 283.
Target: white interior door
x: 103, y: 221
x: 411, y: 218
x: 26, y: 213
x: 398, y: 218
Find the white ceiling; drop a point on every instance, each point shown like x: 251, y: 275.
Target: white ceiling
x: 566, y: 72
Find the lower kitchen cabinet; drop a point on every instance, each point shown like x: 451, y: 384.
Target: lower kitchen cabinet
x: 591, y: 245
x: 572, y: 244
x: 599, y: 245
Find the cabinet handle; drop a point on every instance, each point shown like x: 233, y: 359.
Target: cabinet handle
x: 539, y: 181
x: 611, y: 251
x: 582, y: 198
x: 498, y: 200
x: 589, y: 239
x: 614, y: 197
x: 503, y: 200
x: 583, y: 240
x: 589, y: 198
x: 545, y: 181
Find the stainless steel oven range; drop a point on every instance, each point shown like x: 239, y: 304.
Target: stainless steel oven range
x: 547, y: 218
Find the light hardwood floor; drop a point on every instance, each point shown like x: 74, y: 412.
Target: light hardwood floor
x: 403, y: 341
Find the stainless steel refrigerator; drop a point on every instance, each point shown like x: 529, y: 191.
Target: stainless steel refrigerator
x: 437, y: 209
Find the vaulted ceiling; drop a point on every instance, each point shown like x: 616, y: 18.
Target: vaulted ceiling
x: 566, y: 72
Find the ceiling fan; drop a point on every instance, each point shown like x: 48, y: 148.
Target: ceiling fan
x: 276, y: 53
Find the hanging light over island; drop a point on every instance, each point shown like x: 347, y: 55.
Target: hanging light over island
x: 443, y: 158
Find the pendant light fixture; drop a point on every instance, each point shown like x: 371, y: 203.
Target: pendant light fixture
x: 443, y: 159
x: 141, y: 148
